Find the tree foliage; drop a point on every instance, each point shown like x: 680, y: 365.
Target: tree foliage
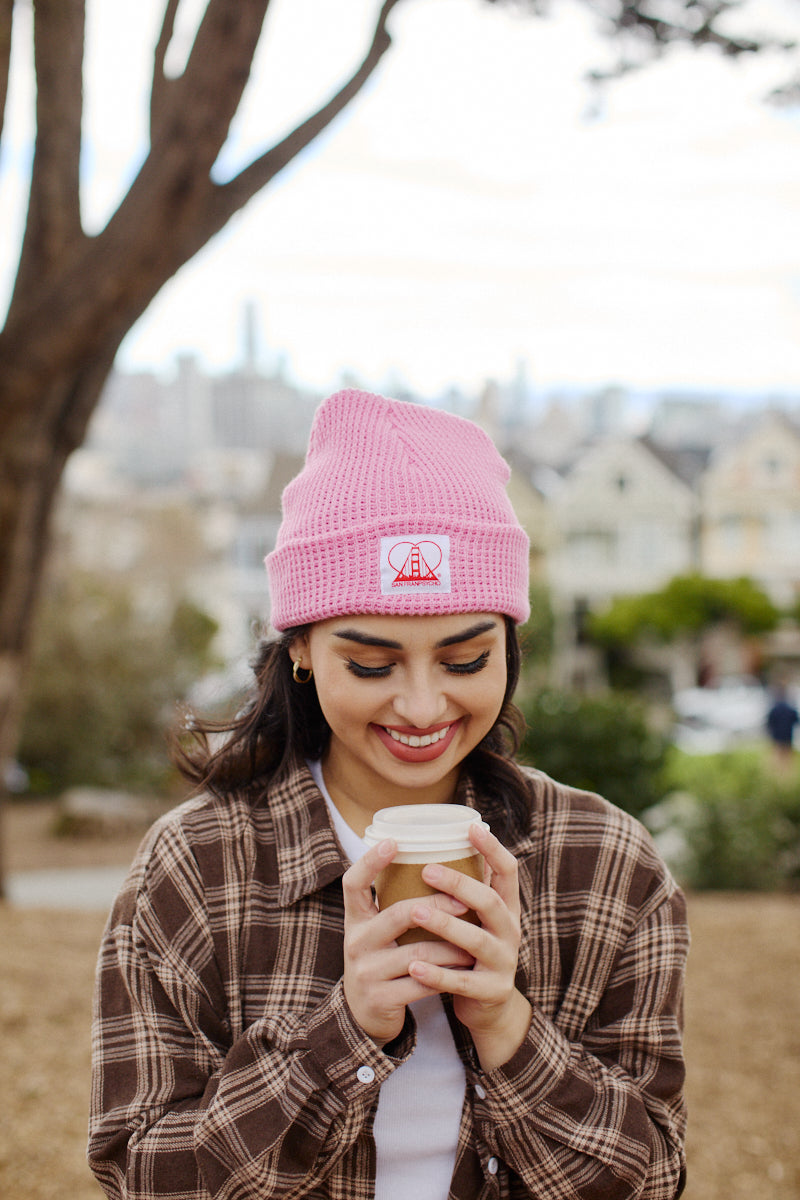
x: 598, y: 743
x: 105, y: 681
x: 686, y: 606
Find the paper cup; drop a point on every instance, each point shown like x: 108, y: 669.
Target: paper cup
x: 425, y: 833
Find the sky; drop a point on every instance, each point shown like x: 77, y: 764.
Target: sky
x: 470, y: 211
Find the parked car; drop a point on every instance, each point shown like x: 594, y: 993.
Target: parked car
x: 731, y: 710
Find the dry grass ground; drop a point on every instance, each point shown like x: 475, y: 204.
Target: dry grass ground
x: 743, y: 1038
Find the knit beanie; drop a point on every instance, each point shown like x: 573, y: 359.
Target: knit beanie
x: 399, y: 509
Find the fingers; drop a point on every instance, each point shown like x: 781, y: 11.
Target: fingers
x: 493, y: 956
x: 496, y: 904
x: 502, y: 863
x: 382, y: 929
x: 358, y: 879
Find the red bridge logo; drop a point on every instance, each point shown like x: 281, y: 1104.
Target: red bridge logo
x: 415, y: 563
x: 410, y: 562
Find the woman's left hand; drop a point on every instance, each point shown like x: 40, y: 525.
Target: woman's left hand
x: 485, y: 997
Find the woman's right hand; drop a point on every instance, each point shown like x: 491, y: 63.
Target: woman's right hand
x: 377, y: 985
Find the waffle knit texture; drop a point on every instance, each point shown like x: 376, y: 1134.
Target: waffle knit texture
x: 399, y: 509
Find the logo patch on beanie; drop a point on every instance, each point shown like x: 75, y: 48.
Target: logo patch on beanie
x: 415, y: 563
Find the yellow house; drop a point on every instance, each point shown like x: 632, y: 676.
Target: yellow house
x: 751, y: 509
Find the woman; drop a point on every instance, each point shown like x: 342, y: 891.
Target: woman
x: 259, y: 1032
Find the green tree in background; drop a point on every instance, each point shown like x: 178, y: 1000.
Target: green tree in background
x: 687, y: 606
x: 680, y: 615
x: 103, y: 685
x: 537, y: 635
x: 601, y: 744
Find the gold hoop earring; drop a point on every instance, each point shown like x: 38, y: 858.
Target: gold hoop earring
x: 297, y: 667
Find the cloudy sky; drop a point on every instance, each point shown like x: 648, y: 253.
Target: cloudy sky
x: 464, y: 214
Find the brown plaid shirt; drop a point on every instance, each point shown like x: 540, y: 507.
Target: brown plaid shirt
x: 227, y: 1063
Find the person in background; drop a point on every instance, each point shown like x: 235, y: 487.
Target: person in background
x: 782, y: 720
x: 258, y: 1029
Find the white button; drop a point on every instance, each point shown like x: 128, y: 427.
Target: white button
x: 365, y: 1074
x: 492, y: 1166
x: 480, y: 1092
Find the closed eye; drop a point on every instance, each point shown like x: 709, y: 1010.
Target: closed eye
x: 362, y: 672
x: 468, y: 668
x: 382, y: 672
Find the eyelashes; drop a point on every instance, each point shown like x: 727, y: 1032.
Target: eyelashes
x: 368, y: 672
x: 468, y: 668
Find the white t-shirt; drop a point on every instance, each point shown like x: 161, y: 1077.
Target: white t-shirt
x: 419, y: 1108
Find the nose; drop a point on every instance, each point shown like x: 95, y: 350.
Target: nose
x: 420, y: 700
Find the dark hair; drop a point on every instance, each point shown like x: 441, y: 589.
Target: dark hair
x: 282, y: 724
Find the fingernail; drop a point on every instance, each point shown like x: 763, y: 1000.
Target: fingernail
x: 431, y: 873
x: 421, y: 913
x: 386, y: 847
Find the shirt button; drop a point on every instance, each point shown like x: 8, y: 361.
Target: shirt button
x: 492, y: 1165
x: 480, y: 1092
x: 365, y: 1074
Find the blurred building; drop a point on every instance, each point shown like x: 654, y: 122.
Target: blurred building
x: 179, y: 484
x: 750, y: 499
x: 626, y: 522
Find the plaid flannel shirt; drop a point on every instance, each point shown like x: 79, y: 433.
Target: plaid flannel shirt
x: 226, y: 1062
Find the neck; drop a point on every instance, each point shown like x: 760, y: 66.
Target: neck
x: 358, y: 812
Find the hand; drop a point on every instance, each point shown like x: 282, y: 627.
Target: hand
x: 485, y: 998
x: 377, y: 984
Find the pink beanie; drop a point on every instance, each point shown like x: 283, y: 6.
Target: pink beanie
x: 399, y: 509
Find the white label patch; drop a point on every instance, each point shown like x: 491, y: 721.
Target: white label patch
x: 415, y: 562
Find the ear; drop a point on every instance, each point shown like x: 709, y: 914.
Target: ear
x: 298, y: 648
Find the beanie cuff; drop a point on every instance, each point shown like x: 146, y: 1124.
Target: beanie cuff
x: 425, y: 567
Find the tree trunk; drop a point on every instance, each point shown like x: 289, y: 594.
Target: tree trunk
x: 33, y: 452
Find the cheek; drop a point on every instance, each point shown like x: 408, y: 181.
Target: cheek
x: 341, y: 702
x: 492, y: 695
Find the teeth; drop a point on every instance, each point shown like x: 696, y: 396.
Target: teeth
x: 427, y: 739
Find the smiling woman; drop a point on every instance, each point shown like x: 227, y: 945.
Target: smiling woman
x: 263, y: 1027
x: 422, y: 693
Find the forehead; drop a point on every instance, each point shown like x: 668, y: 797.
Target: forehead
x: 412, y: 631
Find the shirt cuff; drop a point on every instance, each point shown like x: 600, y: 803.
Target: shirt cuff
x: 346, y: 1056
x: 531, y: 1073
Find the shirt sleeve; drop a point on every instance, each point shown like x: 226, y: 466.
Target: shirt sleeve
x: 180, y: 1107
x: 601, y: 1117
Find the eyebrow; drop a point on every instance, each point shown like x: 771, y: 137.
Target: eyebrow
x: 366, y: 639
x: 473, y: 632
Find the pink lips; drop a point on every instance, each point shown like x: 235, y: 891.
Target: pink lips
x: 409, y: 753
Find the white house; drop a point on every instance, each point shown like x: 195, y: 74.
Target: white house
x: 626, y: 523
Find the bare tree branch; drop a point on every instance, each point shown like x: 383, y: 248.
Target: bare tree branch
x: 205, y: 98
x: 53, y: 227
x: 6, y: 14
x: 230, y: 197
x: 162, y: 87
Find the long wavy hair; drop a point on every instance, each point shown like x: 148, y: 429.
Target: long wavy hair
x: 282, y: 724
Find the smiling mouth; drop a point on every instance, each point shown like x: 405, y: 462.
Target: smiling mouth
x: 415, y: 740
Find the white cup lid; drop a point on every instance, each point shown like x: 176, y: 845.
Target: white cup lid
x: 424, y: 826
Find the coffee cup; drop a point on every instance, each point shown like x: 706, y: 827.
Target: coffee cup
x: 425, y: 833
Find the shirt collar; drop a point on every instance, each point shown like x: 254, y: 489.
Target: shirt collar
x: 308, y: 854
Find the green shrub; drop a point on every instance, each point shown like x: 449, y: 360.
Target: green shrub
x: 602, y: 744
x: 729, y: 822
